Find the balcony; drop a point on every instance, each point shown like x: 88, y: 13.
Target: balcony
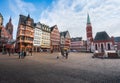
x: 26, y: 41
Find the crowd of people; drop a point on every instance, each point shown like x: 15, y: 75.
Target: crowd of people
x: 22, y: 54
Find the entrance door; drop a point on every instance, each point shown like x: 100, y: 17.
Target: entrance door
x: 102, y: 48
x: 108, y: 46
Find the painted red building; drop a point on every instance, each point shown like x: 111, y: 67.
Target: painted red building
x: 55, y: 38
x: 77, y: 44
x: 89, y: 33
x: 25, y: 33
x: 102, y: 42
x: 5, y: 35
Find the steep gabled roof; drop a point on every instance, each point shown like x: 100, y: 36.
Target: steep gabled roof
x: 23, y: 19
x: 101, y: 36
x: 37, y: 25
x: 76, y: 39
x: 51, y: 28
x: 63, y: 33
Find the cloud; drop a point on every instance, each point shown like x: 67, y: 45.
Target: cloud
x: 71, y: 15
x: 19, y: 7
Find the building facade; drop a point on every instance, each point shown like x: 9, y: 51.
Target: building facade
x: 89, y: 34
x: 37, y: 37
x: 77, y: 44
x: 117, y: 43
x: 45, y: 42
x: 55, y: 38
x: 65, y: 40
x: 4, y: 36
x: 25, y: 33
x: 102, y: 42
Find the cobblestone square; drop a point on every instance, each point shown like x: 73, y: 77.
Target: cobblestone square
x: 46, y: 68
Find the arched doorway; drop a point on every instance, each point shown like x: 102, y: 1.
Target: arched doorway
x: 96, y: 47
x: 102, y: 48
x: 109, y: 46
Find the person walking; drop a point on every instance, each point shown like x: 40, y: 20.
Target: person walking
x: 20, y: 54
x: 24, y: 54
x: 67, y: 52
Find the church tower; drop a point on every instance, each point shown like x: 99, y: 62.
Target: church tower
x: 1, y: 20
x: 89, y: 33
x: 9, y: 27
x: 1, y: 23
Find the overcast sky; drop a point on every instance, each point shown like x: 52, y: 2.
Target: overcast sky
x: 68, y: 15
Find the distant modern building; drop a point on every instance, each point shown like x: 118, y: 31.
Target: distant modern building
x: 117, y: 42
x: 65, y: 40
x: 77, y: 44
x: 45, y: 42
x: 9, y: 28
x: 25, y: 33
x: 55, y: 38
x: 37, y: 37
x: 103, y: 42
x: 89, y: 34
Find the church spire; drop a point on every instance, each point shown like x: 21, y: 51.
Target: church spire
x: 88, y: 19
x: 10, y: 19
